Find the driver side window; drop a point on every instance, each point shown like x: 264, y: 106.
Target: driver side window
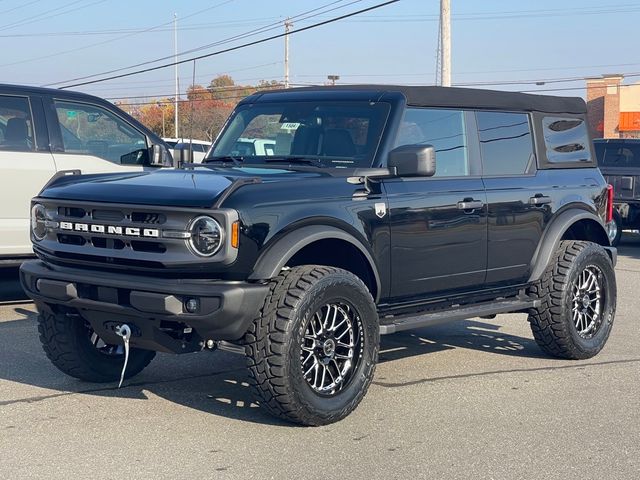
x: 91, y: 130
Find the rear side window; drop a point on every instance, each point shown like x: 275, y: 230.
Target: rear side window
x: 442, y: 128
x: 566, y: 140
x: 618, y: 154
x: 505, y: 143
x: 16, y: 124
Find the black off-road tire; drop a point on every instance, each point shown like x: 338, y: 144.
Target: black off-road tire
x: 66, y: 341
x: 273, y: 341
x: 618, y: 221
x: 552, y: 323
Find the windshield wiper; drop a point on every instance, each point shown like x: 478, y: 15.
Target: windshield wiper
x: 307, y: 160
x: 237, y: 161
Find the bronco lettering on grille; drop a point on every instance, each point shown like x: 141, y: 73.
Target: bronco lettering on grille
x: 110, y: 229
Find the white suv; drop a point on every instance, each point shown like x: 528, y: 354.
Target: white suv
x: 44, y: 132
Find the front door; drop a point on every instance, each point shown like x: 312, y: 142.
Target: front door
x: 96, y: 140
x: 439, y: 224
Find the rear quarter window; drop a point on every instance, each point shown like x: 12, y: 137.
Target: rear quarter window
x: 566, y: 140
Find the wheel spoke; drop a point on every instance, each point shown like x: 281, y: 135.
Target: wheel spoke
x: 328, y: 354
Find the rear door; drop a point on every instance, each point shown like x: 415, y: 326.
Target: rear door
x: 438, y: 224
x: 26, y: 164
x: 94, y: 139
x: 519, y: 199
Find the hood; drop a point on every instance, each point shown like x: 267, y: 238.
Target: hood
x: 198, y: 188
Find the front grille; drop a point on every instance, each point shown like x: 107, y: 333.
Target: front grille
x: 123, y: 236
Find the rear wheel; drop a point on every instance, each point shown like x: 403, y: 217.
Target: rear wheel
x: 615, y: 229
x: 578, y: 293
x: 72, y: 346
x: 313, y: 350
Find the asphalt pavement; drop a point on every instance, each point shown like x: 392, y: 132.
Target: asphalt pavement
x: 475, y: 399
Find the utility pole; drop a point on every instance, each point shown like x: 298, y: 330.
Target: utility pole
x: 287, y: 25
x: 175, y: 59
x: 445, y: 42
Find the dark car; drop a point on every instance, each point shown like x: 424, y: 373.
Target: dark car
x: 379, y: 209
x: 619, y: 162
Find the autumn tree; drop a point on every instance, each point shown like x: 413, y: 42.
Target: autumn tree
x: 204, y: 111
x: 158, y: 117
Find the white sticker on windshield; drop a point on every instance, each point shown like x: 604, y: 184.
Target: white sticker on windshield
x: 290, y: 126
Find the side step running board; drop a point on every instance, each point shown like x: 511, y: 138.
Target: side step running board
x: 460, y: 313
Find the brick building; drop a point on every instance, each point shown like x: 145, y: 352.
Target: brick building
x: 613, y: 108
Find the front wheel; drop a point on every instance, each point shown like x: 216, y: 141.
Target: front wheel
x: 578, y: 294
x: 72, y: 346
x: 312, y: 351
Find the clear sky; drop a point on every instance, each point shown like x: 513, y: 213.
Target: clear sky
x: 46, y: 41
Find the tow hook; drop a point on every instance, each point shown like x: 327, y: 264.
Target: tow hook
x: 124, y: 331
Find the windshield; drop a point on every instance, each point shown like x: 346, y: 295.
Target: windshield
x: 337, y: 134
x: 618, y: 154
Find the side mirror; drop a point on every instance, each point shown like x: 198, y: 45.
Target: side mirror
x: 159, y: 156
x: 413, y: 160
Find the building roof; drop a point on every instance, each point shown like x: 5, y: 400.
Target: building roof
x: 437, y: 97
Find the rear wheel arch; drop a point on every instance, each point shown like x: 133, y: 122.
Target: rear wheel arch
x: 573, y: 224
x: 319, y: 245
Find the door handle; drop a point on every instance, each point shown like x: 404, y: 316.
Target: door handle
x: 540, y: 200
x: 470, y: 204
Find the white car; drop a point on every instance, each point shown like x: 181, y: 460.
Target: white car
x: 180, y: 148
x: 254, y: 146
x: 44, y: 132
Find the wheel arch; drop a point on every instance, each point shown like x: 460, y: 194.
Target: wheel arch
x: 572, y: 224
x: 307, y: 245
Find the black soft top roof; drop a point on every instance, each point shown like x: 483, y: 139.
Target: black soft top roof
x: 433, y: 97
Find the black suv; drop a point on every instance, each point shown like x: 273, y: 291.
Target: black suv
x: 619, y: 161
x: 378, y: 209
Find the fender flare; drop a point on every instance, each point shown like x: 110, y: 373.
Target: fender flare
x: 552, y: 236
x: 276, y: 256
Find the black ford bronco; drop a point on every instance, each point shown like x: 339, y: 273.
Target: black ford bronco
x: 368, y: 210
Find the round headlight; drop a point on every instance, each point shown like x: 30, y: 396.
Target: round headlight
x: 38, y: 220
x: 206, y: 236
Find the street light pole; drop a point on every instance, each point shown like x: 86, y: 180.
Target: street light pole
x: 161, y: 107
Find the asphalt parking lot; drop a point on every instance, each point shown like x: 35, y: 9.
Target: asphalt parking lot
x: 476, y: 399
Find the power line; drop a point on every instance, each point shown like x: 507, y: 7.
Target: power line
x: 84, y: 47
x: 19, y: 7
x: 46, y: 15
x: 171, y: 81
x: 238, y: 47
x: 161, y: 28
x: 263, y: 29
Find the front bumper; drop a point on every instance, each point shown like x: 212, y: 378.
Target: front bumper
x: 153, y: 307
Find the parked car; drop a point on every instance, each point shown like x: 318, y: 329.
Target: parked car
x: 384, y: 208
x: 254, y: 146
x: 181, y: 148
x: 44, y: 132
x: 619, y: 162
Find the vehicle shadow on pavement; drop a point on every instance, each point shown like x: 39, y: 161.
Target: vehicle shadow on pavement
x: 215, y: 383
x: 10, y: 288
x: 629, y: 245
x: 469, y: 334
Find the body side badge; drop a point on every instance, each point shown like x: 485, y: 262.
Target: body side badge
x: 381, y: 209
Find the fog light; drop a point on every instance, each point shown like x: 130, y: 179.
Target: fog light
x: 192, y: 305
